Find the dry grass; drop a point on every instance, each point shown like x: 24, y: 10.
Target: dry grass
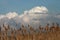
x: 47, y: 33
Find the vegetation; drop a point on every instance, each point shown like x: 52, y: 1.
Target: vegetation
x: 42, y: 33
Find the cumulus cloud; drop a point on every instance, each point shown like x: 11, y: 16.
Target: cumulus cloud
x: 28, y: 17
x: 11, y: 15
x: 38, y: 9
x: 35, y: 16
x: 2, y: 16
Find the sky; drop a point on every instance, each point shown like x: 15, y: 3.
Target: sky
x: 33, y: 12
x: 20, y: 6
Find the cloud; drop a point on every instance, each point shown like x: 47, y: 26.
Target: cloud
x: 37, y: 13
x: 2, y: 16
x: 31, y: 16
x: 11, y: 15
x: 35, y: 16
x: 38, y: 9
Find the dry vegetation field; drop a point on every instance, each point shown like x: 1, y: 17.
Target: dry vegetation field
x: 42, y: 33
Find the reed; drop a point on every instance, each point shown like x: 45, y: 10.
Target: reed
x: 42, y: 33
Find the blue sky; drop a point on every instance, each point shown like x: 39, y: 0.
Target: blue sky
x: 20, y: 6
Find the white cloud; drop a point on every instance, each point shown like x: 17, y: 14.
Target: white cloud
x: 27, y: 16
x: 26, y: 19
x: 11, y: 15
x: 2, y: 16
x: 35, y: 16
x: 38, y: 9
x: 38, y: 12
